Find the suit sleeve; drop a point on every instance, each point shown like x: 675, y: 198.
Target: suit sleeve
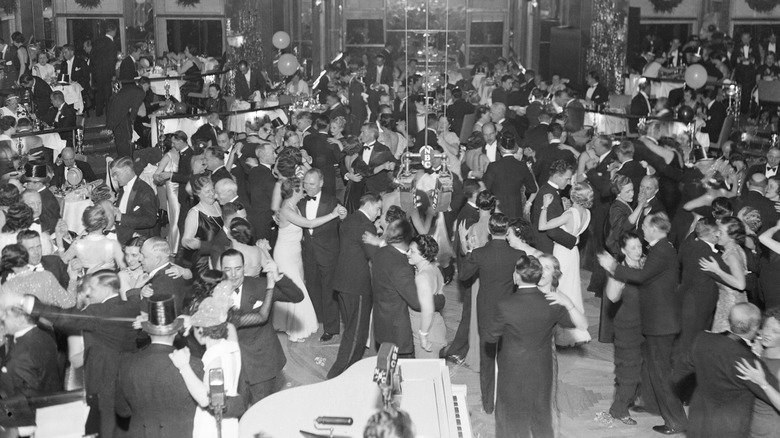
x: 404, y: 284
x: 558, y: 235
x: 470, y: 267
x: 287, y: 291
x: 654, y: 266
x: 146, y: 214
x: 489, y: 178
x: 181, y: 176
x: 121, y: 406
x: 63, y: 319
x: 87, y: 172
x: 601, y: 184
x: 23, y: 376
x: 259, y: 184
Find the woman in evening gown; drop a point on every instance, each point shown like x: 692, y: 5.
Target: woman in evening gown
x: 169, y: 164
x: 298, y: 320
x: 428, y: 329
x: 203, y: 222
x: 574, y: 221
x: 731, y: 288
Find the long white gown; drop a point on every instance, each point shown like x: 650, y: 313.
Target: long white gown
x: 298, y: 320
x: 226, y: 355
x: 172, y: 194
x: 570, y: 283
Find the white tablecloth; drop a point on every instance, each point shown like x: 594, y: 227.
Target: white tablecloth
x: 53, y: 142
x: 186, y: 124
x: 72, y: 95
x: 158, y: 87
x: 72, y: 210
x: 237, y: 123
x: 606, y: 124
x: 657, y: 88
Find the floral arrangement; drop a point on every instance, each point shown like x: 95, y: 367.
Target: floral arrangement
x: 762, y: 5
x: 665, y: 5
x: 188, y: 3
x: 88, y: 4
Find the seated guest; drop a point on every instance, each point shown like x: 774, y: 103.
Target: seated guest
x: 296, y: 85
x: 11, y: 106
x: 190, y: 68
x: 216, y: 103
x: 33, y: 200
x: 137, y: 204
x: 42, y: 69
x: 249, y: 83
x: 17, y: 276
x: 7, y: 128
x: 209, y: 131
x: 31, y: 241
x: 69, y: 161
x: 36, y: 178
x: 640, y: 105
x: 19, y: 217
x: 95, y: 251
x: 61, y: 116
x: 41, y: 94
x: 597, y: 93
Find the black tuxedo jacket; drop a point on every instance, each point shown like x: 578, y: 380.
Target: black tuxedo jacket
x: 261, y: 187
x: 509, y: 179
x: 600, y: 95
x: 659, y: 301
x: 457, y: 111
x: 395, y: 292
x: 66, y: 119
x: 536, y: 137
x: 716, y: 117
x: 639, y: 107
x: 494, y: 264
x: 162, y: 283
x: 123, y: 106
x: 698, y: 289
x: 54, y: 264
x: 386, y: 78
x: 244, y: 89
x: 421, y: 140
x: 722, y: 404
x: 749, y: 198
x: 325, y: 156
x: 183, y: 174
x: 545, y: 239
x: 41, y: 96
x: 127, y: 70
x: 141, y: 215
x: 206, y: 133
x: 262, y: 357
x: 353, y: 275
x: 103, y: 59
x: 219, y: 244
x: 337, y: 111
x: 50, y: 211
x: 79, y: 72
x: 220, y: 174
x: 104, y: 341
x: 59, y: 173
x: 30, y: 369
x: 323, y: 243
x: 378, y: 182
x: 153, y: 394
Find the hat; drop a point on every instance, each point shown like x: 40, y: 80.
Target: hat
x: 35, y: 172
x: 74, y: 176
x: 11, y: 97
x: 211, y: 311
x: 162, y: 316
x: 63, y: 79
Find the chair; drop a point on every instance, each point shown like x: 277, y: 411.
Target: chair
x: 467, y: 127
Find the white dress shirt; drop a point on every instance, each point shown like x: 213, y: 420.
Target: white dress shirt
x: 366, y: 156
x: 490, y: 151
x: 126, y: 195
x: 236, y: 296
x: 311, y: 208
x: 770, y: 171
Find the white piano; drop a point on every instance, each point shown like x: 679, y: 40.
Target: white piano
x: 437, y: 407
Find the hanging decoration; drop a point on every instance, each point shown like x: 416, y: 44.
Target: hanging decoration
x: 762, y: 5
x: 665, y: 5
x: 187, y: 3
x: 608, y: 46
x: 9, y: 6
x: 88, y: 4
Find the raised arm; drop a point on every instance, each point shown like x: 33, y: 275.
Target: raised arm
x: 767, y: 238
x: 296, y: 218
x: 735, y: 278
x: 564, y: 219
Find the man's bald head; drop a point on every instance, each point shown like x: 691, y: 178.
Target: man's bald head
x: 745, y: 319
x: 226, y: 190
x: 757, y: 181
x: 68, y: 156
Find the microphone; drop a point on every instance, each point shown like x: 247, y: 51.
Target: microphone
x: 386, y: 363
x: 217, y: 390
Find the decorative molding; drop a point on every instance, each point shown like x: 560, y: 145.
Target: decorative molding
x: 665, y: 5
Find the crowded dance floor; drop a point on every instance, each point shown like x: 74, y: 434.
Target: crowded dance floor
x: 389, y: 218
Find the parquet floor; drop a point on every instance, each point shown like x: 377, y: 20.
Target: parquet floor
x: 585, y: 378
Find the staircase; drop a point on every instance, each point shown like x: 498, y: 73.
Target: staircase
x: 96, y: 147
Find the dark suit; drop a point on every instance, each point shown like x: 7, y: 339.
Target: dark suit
x: 722, y: 405
x: 352, y: 281
x: 600, y: 95
x: 245, y: 89
x: 659, y: 305
x: 394, y: 293
x: 103, y: 61
x: 182, y: 177
x: 219, y: 174
x: 59, y: 173
x: 374, y: 77
x: 262, y: 357
x: 324, y: 156
x: 640, y: 106
x: 141, y: 215
x: 207, y: 133
x: 261, y: 187
x: 122, y: 110
x: 426, y: 137
x: 524, y: 323
x: 545, y: 239
x: 320, y: 255
x: 575, y: 116
x: 509, y: 179
x: 494, y: 264
x: 457, y: 111
x: 337, y: 111
x: 716, y: 117
x: 62, y: 118
x: 179, y: 288
x: 79, y: 72
x: 30, y: 369
x: 536, y: 137
x: 358, y: 108
x: 50, y: 210
x: 54, y: 264
x: 105, y: 345
x: 219, y: 244
x: 382, y: 181
x: 750, y: 198
x: 153, y: 394
x: 41, y: 97
x: 127, y: 70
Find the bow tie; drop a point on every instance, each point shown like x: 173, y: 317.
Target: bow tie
x: 310, y: 198
x: 37, y: 268
x: 237, y: 290
x: 368, y: 148
x: 37, y: 221
x: 771, y: 169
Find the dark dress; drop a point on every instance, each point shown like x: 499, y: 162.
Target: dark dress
x: 193, y: 81
x: 766, y: 420
x: 628, y: 349
x: 198, y: 260
x: 355, y: 189
x: 770, y: 278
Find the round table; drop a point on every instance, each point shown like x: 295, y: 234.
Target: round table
x: 72, y: 210
x: 158, y: 87
x: 237, y: 123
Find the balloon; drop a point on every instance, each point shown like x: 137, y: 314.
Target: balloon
x: 281, y: 40
x: 696, y: 76
x: 288, y: 64
x: 685, y: 114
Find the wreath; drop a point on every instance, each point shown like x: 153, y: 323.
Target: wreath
x: 665, y: 5
x: 762, y: 5
x: 88, y: 4
x: 188, y: 3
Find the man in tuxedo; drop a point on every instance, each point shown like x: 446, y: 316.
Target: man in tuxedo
x: 106, y: 342
x: 155, y: 261
x: 62, y: 116
x: 744, y: 59
x: 427, y: 136
x: 41, y: 94
x: 494, y: 265
x: 227, y: 191
x: 209, y: 131
x: 335, y: 107
x: 30, y: 368
x: 510, y: 179
x: 560, y: 175
x: 572, y: 109
x: 358, y: 107
x: 754, y: 197
x: 128, y: 67
x: 31, y: 241
x: 225, y: 140
x: 379, y: 77
x: 69, y: 161
x: 491, y: 141
x: 458, y: 110
x: 552, y: 150
x: 103, y: 62
x: 122, y: 111
x: 262, y: 357
x: 221, y: 241
x: 324, y: 154
x: 660, y: 315
x: 320, y: 252
x: 76, y: 68
x: 640, y: 105
x: 648, y: 189
x: 596, y: 93
x: 536, y: 137
x: 248, y: 82
x: 675, y: 55
x: 182, y: 177
x: 467, y: 216
x: 626, y: 165
x: 499, y: 119
x: 716, y: 114
x: 352, y: 281
x: 768, y: 169
x: 722, y: 404
x: 215, y: 163
x: 261, y: 187
x: 136, y: 204
x: 379, y: 160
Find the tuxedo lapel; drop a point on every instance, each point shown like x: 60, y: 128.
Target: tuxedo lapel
x: 131, y: 197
